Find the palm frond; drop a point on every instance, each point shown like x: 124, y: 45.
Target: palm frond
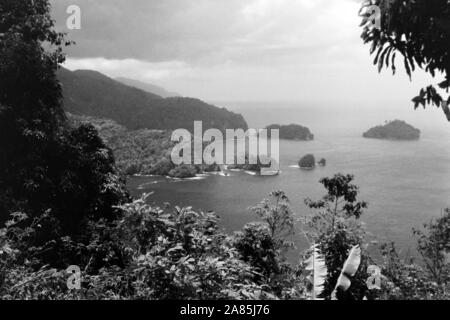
x: 316, y: 265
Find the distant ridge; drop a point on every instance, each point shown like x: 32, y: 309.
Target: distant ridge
x: 91, y: 93
x: 148, y: 87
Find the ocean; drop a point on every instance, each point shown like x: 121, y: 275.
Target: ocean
x: 406, y: 183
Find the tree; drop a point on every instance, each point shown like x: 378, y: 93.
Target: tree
x: 30, y: 110
x: 402, y: 279
x: 277, y: 214
x: 263, y: 245
x: 334, y: 229
x: 46, y: 166
x: 419, y: 31
x: 434, y: 247
x: 258, y: 247
x: 83, y: 179
x: 429, y: 279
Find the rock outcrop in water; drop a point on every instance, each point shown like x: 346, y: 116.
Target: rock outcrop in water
x: 307, y: 162
x: 293, y: 132
x: 394, y: 130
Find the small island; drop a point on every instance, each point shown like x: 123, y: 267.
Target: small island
x: 393, y: 130
x: 307, y: 162
x: 293, y: 132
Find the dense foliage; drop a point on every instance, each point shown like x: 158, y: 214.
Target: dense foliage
x: 434, y: 247
x: 149, y: 253
x: 144, y: 152
x: 404, y: 279
x: 136, y: 152
x: 419, y: 31
x: 162, y: 253
x: 46, y: 165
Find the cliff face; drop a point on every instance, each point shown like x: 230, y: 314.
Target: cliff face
x: 91, y: 93
x: 293, y: 132
x: 394, y: 130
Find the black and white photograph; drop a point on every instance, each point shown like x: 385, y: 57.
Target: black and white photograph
x: 225, y: 155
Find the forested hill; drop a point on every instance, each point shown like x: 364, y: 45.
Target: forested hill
x: 148, y: 87
x: 91, y: 93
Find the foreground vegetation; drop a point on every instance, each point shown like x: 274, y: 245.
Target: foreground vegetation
x: 161, y: 253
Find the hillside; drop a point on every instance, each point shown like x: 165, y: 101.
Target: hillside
x: 91, y: 93
x: 148, y: 87
x: 293, y: 132
x: 134, y: 151
x: 394, y: 130
x: 144, y: 151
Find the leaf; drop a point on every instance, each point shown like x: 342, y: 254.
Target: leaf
x: 417, y: 101
x: 408, y: 69
x: 353, y: 261
x: 446, y: 109
x: 349, y: 270
x: 445, y: 84
x: 316, y: 264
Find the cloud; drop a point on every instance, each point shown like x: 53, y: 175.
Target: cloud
x: 160, y: 30
x: 232, y: 49
x: 131, y: 68
x: 204, y: 31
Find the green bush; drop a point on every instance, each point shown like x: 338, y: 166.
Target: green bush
x: 149, y: 253
x: 403, y: 279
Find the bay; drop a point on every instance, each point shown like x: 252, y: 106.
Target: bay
x: 406, y: 183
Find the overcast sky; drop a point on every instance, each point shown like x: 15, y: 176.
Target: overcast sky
x: 234, y: 50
